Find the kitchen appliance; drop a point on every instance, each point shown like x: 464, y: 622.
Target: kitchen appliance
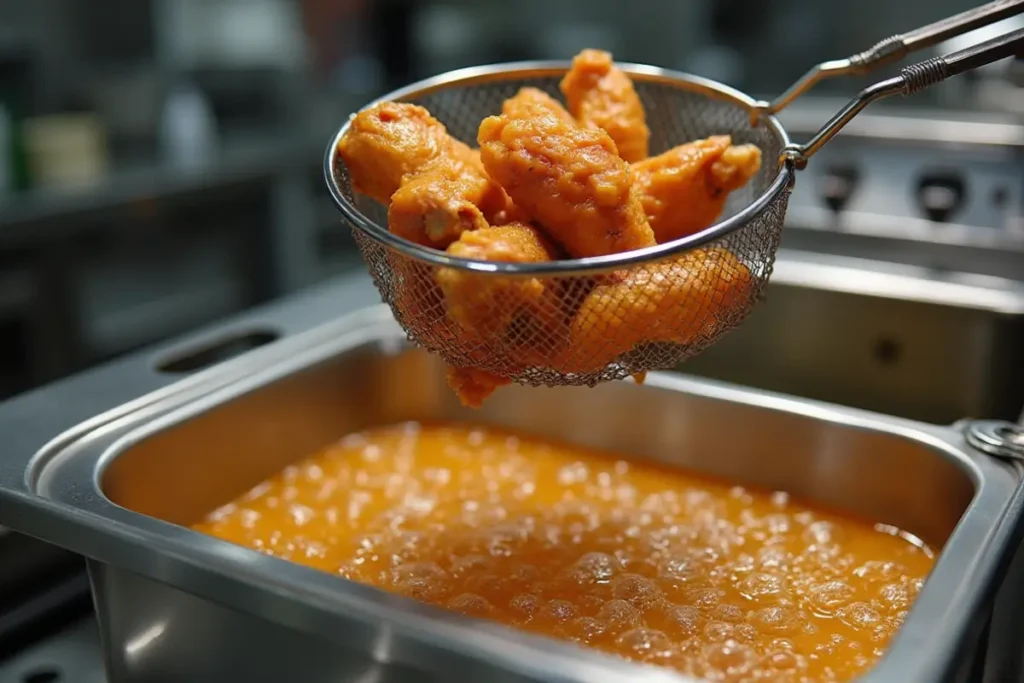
x: 899, y: 284
x: 903, y: 299
x: 928, y: 313
x: 111, y: 463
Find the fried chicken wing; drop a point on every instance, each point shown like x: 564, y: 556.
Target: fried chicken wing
x: 684, y: 189
x: 485, y: 304
x: 549, y: 182
x: 672, y: 301
x: 436, y: 330
x: 473, y: 386
x: 420, y: 305
x: 474, y: 312
x: 495, y: 203
x: 435, y: 207
x: 602, y: 95
x: 388, y: 142
x: 436, y: 186
x: 533, y: 101
x: 567, y: 178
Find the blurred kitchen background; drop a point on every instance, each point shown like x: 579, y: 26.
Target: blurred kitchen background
x: 160, y: 159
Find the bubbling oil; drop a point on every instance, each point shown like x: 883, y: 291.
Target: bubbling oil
x: 654, y: 565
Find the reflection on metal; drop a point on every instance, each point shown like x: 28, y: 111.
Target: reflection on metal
x: 119, y: 487
x: 1001, y: 439
x: 135, y: 646
x: 896, y: 47
x: 901, y: 339
x: 910, y: 127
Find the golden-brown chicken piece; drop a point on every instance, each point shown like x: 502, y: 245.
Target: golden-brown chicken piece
x: 435, y: 207
x: 533, y: 101
x: 492, y: 199
x: 602, y: 95
x: 567, y: 178
x: 477, y: 314
x: 672, y: 301
x: 487, y: 304
x: 464, y: 155
x: 473, y: 386
x: 436, y: 186
x: 420, y: 305
x: 388, y: 142
x: 684, y: 189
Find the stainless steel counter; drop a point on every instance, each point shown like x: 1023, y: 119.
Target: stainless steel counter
x: 119, y: 486
x: 75, y: 651
x: 73, y: 655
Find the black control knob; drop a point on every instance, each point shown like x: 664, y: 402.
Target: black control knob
x: 837, y: 186
x: 940, y: 194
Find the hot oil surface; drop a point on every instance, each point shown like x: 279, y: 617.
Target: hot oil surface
x: 637, y: 560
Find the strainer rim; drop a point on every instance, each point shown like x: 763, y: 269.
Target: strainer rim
x: 564, y: 267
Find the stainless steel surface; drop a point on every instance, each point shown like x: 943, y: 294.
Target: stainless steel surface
x: 174, y: 605
x: 998, y: 438
x: 911, y: 126
x: 680, y: 108
x: 941, y: 191
x: 73, y: 655
x: 872, y: 182
x: 905, y: 340
x: 911, y: 186
x: 897, y: 47
x: 912, y: 80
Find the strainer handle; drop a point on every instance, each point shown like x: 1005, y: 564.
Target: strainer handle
x: 894, y: 48
x: 912, y: 79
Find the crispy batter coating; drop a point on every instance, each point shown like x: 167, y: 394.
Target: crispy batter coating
x: 436, y: 186
x: 473, y: 386
x: 524, y: 316
x: 478, y: 313
x: 486, y: 303
x: 684, y: 189
x: 602, y: 95
x: 550, y: 182
x: 533, y: 101
x: 672, y: 301
x: 420, y: 304
x: 466, y: 156
x: 388, y: 142
x: 567, y: 178
x: 493, y: 201
x: 435, y: 207
x: 735, y: 168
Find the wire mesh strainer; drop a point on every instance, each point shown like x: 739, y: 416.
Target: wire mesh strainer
x: 584, y: 321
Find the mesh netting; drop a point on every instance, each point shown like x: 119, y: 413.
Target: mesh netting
x: 581, y: 328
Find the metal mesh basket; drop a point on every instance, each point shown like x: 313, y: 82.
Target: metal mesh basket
x: 582, y: 321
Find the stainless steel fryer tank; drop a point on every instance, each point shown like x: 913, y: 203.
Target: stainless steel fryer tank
x: 903, y: 340
x: 122, y: 479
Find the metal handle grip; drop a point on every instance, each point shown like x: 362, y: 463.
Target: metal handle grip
x: 959, y: 24
x: 896, y: 47
x: 912, y: 79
